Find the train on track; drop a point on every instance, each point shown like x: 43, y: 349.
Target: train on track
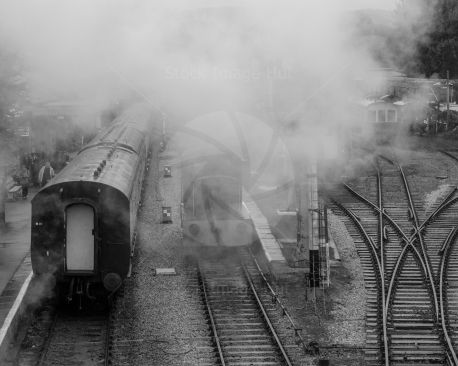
x: 213, y: 211
x: 83, y: 221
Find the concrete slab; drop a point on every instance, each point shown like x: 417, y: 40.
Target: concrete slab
x: 165, y: 272
x: 15, y: 268
x: 14, y: 239
x: 269, y: 246
x: 14, y: 308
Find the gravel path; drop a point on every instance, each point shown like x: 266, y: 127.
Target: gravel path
x: 347, y: 290
x: 158, y: 318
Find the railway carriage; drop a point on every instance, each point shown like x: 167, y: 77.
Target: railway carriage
x: 213, y: 211
x: 83, y: 221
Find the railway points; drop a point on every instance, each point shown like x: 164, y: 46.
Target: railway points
x: 404, y: 266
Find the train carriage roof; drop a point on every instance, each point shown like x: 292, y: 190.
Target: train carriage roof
x: 111, y: 158
x: 127, y: 130
x: 118, y: 171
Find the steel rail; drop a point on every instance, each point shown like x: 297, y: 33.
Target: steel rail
x: 210, y: 315
x: 423, y: 259
x: 368, y: 240
x: 381, y: 213
x: 420, y: 238
x: 374, y: 206
x: 408, y: 241
x: 266, y: 316
x: 382, y: 266
x: 107, y: 350
x: 360, y: 228
x: 386, y: 159
x: 47, y: 343
x: 275, y: 296
x: 444, y: 260
x: 449, y: 154
x: 447, y: 201
x: 397, y: 266
x: 445, y: 248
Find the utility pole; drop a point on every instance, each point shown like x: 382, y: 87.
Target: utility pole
x: 303, y: 223
x: 448, y: 100
x: 3, y: 194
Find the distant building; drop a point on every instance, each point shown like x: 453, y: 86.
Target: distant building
x: 386, y: 109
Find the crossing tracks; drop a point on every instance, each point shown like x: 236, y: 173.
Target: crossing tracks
x: 409, y: 264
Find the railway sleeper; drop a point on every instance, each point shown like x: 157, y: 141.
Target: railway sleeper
x: 254, y: 350
x: 255, y: 343
x: 242, y: 326
x: 254, y: 363
x: 241, y: 332
x: 241, y: 314
x: 250, y: 338
x: 424, y: 351
x: 236, y: 359
x: 420, y: 358
x: 410, y: 325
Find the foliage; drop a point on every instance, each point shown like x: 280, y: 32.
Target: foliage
x: 431, y: 28
x: 421, y: 39
x: 13, y: 89
x: 439, y: 52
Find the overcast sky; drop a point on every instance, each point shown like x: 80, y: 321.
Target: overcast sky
x: 367, y: 4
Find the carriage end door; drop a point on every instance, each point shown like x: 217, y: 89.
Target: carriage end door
x: 80, y: 245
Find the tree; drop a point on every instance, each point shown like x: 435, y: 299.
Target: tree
x: 438, y: 51
x: 13, y: 88
x: 12, y: 92
x: 393, y: 39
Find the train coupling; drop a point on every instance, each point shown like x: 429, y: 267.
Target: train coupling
x: 70, y: 290
x: 88, y: 294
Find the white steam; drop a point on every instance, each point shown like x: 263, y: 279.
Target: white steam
x: 188, y: 55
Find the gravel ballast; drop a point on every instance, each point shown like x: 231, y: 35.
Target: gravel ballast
x: 159, y: 319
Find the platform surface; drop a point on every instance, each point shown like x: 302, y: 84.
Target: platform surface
x: 268, y: 242
x: 14, y: 238
x: 15, y: 269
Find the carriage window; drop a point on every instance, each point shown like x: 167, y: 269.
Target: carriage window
x: 372, y: 116
x: 381, y: 115
x: 391, y: 115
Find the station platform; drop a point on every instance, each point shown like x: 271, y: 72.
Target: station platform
x: 268, y: 244
x: 14, y: 238
x: 15, y: 267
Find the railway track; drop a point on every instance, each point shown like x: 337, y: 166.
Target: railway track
x: 242, y: 330
x: 407, y: 258
x: 69, y: 338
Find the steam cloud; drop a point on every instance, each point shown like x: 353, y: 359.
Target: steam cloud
x: 291, y: 63
x: 168, y: 50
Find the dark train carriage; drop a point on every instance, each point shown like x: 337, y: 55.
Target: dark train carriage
x: 212, y: 200
x: 83, y: 221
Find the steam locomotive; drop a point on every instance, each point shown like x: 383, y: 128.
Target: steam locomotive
x: 213, y: 211
x: 83, y: 221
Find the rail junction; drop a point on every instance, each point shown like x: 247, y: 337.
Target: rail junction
x: 409, y: 261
